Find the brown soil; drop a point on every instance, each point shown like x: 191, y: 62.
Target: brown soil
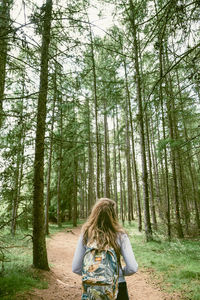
x: 65, y: 285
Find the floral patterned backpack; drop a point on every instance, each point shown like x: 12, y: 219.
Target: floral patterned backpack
x: 100, y: 274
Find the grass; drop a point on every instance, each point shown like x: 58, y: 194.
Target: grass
x: 17, y: 275
x: 177, y: 262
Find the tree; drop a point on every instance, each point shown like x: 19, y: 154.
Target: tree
x: 39, y: 245
x: 5, y: 6
x: 148, y: 230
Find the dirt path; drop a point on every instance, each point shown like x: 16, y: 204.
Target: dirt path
x: 65, y: 285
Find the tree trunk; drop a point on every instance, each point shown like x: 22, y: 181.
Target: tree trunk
x: 19, y: 164
x: 18, y: 174
x: 166, y: 178
x: 5, y: 6
x: 101, y: 167
x: 39, y: 244
x: 124, y: 182
x: 155, y: 165
x: 75, y: 169
x: 128, y: 168
x: 96, y: 115
x: 170, y: 110
x: 60, y: 159
x: 50, y: 159
x: 120, y: 171
x: 151, y: 183
x: 106, y: 159
x: 148, y: 230
x: 75, y: 215
x: 90, y: 164
x: 133, y: 155
x: 115, y: 165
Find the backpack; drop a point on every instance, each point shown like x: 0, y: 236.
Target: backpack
x: 100, y: 272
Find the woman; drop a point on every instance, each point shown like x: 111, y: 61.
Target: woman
x: 103, y: 228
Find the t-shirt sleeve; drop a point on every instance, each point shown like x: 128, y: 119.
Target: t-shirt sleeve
x: 78, y: 256
x: 131, y: 265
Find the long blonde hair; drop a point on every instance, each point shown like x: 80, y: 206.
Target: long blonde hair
x: 102, y: 226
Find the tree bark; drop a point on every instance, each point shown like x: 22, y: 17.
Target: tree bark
x: 120, y: 171
x: 148, y: 230
x: 90, y: 163
x: 106, y: 159
x: 135, y: 169
x: 161, y: 97
x: 151, y: 183
x: 50, y: 159
x: 39, y: 244
x: 5, y: 6
x: 115, y: 164
x: 96, y: 115
x: 75, y: 212
x: 171, y: 122
x: 128, y: 167
x: 60, y: 159
x: 19, y: 170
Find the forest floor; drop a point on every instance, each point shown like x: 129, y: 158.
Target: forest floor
x: 65, y: 285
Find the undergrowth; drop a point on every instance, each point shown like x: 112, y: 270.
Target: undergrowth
x: 176, y: 262
x: 16, y: 272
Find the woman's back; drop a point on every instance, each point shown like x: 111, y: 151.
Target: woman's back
x: 103, y: 229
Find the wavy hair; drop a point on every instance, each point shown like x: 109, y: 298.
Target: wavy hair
x: 102, y: 226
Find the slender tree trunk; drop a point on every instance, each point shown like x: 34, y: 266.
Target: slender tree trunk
x: 151, y: 183
x: 90, y: 164
x: 148, y: 230
x: 129, y: 112
x: 5, y: 6
x: 120, y: 171
x: 60, y: 159
x: 174, y: 175
x: 161, y: 97
x: 109, y: 172
x: 75, y: 170
x: 82, y: 190
x: 128, y: 167
x: 75, y: 209
x: 39, y: 244
x: 125, y: 188
x: 155, y: 165
x: 16, y: 195
x: 170, y: 108
x: 115, y: 166
x: 50, y: 160
x: 106, y: 159
x: 18, y: 181
x: 96, y: 115
x: 19, y: 166
x: 168, y: 214
x: 101, y: 167
x: 182, y: 195
x: 85, y: 198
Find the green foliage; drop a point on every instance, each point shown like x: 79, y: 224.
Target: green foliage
x: 177, y: 262
x: 17, y: 275
x: 163, y: 143
x: 18, y: 281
